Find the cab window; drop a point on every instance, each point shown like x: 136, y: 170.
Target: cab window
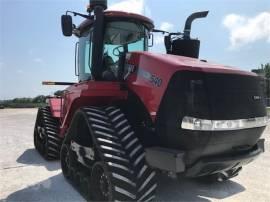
x: 122, y: 37
x: 85, y: 56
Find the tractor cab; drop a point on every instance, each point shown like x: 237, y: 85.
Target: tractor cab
x: 104, y: 39
x: 119, y: 37
x: 106, y: 36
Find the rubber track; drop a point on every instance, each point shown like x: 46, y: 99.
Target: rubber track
x: 51, y: 129
x: 123, y: 154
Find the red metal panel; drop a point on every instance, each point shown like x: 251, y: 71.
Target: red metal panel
x: 164, y: 66
x: 55, y: 106
x: 89, y: 93
x: 127, y: 15
x: 119, y: 14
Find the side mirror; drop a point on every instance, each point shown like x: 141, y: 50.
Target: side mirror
x: 67, y: 25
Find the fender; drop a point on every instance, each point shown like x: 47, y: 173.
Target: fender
x: 140, y: 119
x: 55, y: 104
x: 86, y: 94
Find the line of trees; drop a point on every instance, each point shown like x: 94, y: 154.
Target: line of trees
x: 37, y: 101
x: 264, y: 71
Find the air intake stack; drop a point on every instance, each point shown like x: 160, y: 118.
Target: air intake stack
x: 95, y: 3
x: 185, y: 46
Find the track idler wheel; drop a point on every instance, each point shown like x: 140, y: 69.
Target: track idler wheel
x: 85, y: 186
x: 101, y: 183
x: 65, y: 161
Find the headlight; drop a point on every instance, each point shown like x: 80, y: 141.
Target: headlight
x: 190, y: 123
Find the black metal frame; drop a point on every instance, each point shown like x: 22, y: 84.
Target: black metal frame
x: 77, y: 70
x: 174, y: 161
x: 97, y: 56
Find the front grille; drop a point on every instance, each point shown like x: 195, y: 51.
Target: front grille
x: 212, y: 97
x: 234, y: 96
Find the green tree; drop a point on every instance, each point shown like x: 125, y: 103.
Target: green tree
x: 263, y: 71
x: 39, y: 99
x: 22, y: 100
x: 266, y: 69
x: 59, y: 93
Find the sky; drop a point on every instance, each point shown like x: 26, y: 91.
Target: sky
x: 33, y: 49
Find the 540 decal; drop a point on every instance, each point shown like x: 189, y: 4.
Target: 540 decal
x: 155, y: 80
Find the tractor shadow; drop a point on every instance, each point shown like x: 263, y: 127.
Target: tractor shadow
x: 53, y: 189
x: 57, y: 188
x: 193, y: 190
x: 32, y: 157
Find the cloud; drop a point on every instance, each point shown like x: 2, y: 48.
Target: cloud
x: 133, y: 6
x: 38, y: 60
x: 245, y: 30
x: 165, y: 26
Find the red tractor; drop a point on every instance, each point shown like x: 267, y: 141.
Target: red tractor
x: 133, y: 113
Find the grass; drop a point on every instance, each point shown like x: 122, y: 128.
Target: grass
x: 268, y: 111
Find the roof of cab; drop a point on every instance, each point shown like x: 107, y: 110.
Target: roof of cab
x: 119, y: 15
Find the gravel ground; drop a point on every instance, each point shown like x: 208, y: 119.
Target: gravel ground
x: 25, y: 176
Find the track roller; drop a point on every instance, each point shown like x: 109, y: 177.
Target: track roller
x: 118, y: 170
x: 46, y: 139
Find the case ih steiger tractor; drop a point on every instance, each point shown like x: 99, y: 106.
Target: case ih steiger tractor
x: 134, y: 113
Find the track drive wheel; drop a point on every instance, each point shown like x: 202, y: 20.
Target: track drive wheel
x: 46, y: 130
x: 100, y: 182
x: 65, y: 160
x: 118, y: 171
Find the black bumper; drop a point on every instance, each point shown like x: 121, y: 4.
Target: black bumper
x: 173, y: 161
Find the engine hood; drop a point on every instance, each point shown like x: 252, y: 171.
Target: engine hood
x: 153, y: 73
x: 173, y: 63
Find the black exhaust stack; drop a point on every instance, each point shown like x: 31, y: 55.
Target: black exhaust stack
x: 185, y: 46
x: 98, y: 6
x: 189, y: 21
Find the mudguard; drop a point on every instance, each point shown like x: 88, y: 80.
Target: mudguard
x: 55, y: 106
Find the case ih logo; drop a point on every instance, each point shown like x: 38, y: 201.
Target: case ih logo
x: 155, y: 80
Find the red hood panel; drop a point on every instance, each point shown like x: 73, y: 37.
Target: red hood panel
x: 155, y: 71
x: 185, y: 63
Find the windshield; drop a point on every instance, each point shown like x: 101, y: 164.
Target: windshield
x: 128, y: 36
x: 121, y: 37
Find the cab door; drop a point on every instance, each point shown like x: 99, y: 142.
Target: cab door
x: 85, y: 56
x: 83, y: 62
